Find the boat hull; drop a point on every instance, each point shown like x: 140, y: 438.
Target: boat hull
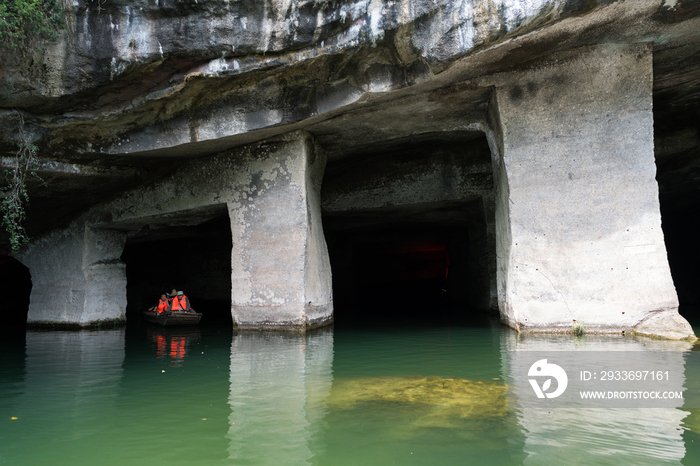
x: 172, y: 319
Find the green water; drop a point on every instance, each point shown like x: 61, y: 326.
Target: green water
x: 146, y: 396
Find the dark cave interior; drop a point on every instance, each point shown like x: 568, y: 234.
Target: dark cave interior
x: 193, y: 259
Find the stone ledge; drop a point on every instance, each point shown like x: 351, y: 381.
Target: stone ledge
x: 282, y: 327
x: 666, y: 325
x: 105, y: 324
x: 663, y: 325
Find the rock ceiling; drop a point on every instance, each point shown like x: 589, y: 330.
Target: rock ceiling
x: 133, y: 87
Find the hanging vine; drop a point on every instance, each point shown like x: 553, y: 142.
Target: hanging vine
x: 15, y: 198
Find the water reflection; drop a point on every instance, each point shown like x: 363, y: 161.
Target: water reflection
x: 75, y: 363
x: 279, y: 386
x: 361, y: 396
x: 71, y: 379
x: 600, y: 435
x: 173, y: 343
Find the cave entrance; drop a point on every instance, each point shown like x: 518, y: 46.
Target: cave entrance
x: 407, y: 226
x: 16, y: 287
x: 194, y: 259
x: 406, y: 272
x: 677, y: 153
x: 414, y: 273
x: 681, y: 223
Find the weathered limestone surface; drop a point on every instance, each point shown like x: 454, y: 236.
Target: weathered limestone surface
x: 577, y: 212
x: 136, y: 37
x: 430, y: 175
x: 280, y: 270
x: 77, y: 277
x: 173, y: 74
x: 142, y: 112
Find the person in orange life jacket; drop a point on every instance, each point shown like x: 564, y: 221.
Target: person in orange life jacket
x: 180, y: 303
x: 162, y: 305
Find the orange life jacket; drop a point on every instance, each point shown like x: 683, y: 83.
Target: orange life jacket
x: 178, y: 303
x: 162, y: 306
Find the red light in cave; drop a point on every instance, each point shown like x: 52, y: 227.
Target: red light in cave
x: 407, y: 260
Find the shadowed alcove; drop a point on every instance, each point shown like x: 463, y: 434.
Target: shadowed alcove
x: 677, y: 152
x: 407, y: 225
x: 194, y: 259
x: 15, y: 288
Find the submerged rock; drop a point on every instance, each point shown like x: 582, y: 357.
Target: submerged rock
x: 430, y: 401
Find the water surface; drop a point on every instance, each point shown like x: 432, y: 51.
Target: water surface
x: 393, y: 395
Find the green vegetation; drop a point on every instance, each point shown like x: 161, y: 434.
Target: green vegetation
x: 14, y: 195
x: 21, y: 20
x: 579, y: 328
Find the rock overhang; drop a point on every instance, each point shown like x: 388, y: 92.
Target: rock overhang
x: 279, y: 76
x: 143, y: 85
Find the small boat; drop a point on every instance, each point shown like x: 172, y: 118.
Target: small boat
x: 172, y: 318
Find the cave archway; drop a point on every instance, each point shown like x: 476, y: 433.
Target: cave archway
x: 409, y: 228
x: 194, y: 259
x: 677, y: 152
x: 406, y: 274
x: 15, y: 288
x: 681, y: 224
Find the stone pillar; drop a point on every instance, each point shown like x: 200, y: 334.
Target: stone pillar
x: 280, y: 270
x: 578, y: 225
x: 77, y: 277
